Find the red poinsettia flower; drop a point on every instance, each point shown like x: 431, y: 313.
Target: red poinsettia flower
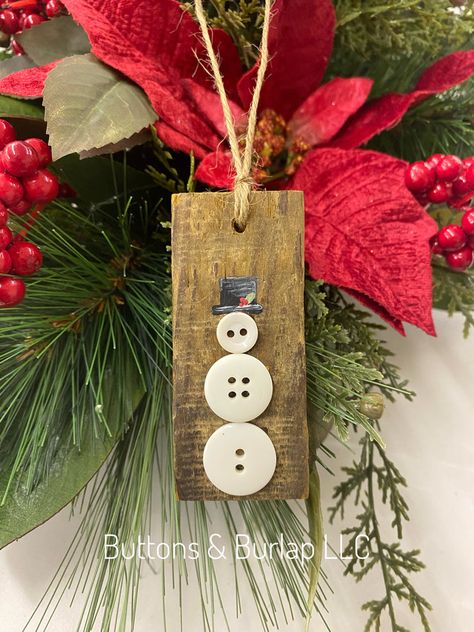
x: 365, y: 233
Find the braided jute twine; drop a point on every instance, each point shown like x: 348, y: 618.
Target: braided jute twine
x: 242, y: 160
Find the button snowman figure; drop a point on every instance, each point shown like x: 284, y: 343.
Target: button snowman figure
x: 239, y: 457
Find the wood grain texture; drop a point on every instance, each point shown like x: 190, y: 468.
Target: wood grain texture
x: 206, y: 248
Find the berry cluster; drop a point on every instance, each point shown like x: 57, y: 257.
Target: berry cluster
x: 456, y: 243
x: 24, y: 182
x: 23, y: 14
x: 442, y: 180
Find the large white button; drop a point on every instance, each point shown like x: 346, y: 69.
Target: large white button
x: 238, y: 387
x: 237, y: 332
x: 239, y: 459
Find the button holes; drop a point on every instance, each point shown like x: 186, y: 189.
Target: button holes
x: 239, y: 452
x: 243, y: 332
x: 230, y: 333
x: 232, y: 394
x: 231, y: 380
x: 245, y: 393
x: 245, y: 380
x: 239, y: 467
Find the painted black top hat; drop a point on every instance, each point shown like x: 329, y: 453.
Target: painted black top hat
x: 238, y: 294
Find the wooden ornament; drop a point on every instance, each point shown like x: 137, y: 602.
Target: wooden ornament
x: 205, y: 249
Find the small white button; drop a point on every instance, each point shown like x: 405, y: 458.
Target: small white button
x: 239, y: 459
x: 237, y: 332
x: 238, y: 387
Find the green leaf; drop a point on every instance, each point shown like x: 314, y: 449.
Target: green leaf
x: 15, y: 64
x: 89, y: 106
x: 15, y: 108
x: 98, y: 179
x: 53, y: 40
x: 71, y: 470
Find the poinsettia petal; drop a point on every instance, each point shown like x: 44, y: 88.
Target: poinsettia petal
x: 366, y: 233
x: 326, y: 110
x: 379, y: 310
x: 300, y: 45
x: 388, y: 111
x: 447, y: 72
x: 26, y: 84
x: 178, y: 141
x: 208, y: 103
x: 153, y: 44
x: 216, y: 170
x: 373, y: 118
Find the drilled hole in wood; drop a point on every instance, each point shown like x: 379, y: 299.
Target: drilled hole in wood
x: 237, y: 228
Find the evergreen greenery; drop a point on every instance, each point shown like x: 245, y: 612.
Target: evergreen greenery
x: 85, y: 362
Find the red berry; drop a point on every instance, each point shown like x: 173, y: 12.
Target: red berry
x: 42, y: 149
x: 5, y: 262
x: 9, y: 22
x: 42, y: 186
x: 448, y: 168
x: 17, y: 47
x: 20, y: 159
x: 470, y: 242
x: 7, y: 133
x: 22, y: 208
x: 434, y: 160
x: 467, y: 162
x: 419, y: 177
x: 441, y: 192
x: 469, y: 175
x: 461, y: 186
x: 12, y: 291
x: 54, y: 8
x: 11, y: 191
x: 435, y: 247
x: 6, y: 237
x: 451, y: 237
x: 467, y: 222
x: 33, y: 19
x: 66, y: 191
x: 460, y: 259
x: 3, y: 215
x: 26, y: 258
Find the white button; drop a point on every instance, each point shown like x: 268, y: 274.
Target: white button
x: 239, y: 459
x: 238, y: 387
x: 237, y: 332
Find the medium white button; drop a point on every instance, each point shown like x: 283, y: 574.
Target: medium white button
x: 238, y: 387
x: 237, y: 332
x: 239, y: 459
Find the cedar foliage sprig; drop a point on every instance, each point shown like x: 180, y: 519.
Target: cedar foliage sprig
x: 369, y: 28
x: 241, y: 19
x: 454, y: 291
x: 373, y: 479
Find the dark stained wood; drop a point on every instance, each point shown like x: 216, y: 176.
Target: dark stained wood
x: 205, y: 249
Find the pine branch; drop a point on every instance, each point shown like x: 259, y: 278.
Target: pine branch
x: 376, y: 473
x: 441, y: 124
